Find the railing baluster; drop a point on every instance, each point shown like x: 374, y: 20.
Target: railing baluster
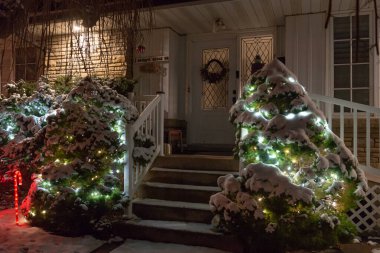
x: 151, y: 124
x: 341, y: 122
x: 329, y: 114
x: 148, y: 125
x: 355, y: 132
x: 367, y: 138
x: 156, y: 125
x: 161, y: 123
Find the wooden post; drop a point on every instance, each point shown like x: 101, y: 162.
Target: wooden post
x: 128, y: 168
x: 161, y: 122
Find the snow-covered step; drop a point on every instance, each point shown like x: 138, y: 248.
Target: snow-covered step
x: 177, y: 225
x: 157, y: 209
x: 189, y: 177
x: 188, y: 233
x: 198, y: 162
x: 178, y: 192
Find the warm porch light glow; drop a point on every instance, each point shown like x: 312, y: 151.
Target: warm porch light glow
x: 76, y: 28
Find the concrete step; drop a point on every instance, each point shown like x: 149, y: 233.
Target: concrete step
x: 198, y: 162
x: 187, y: 233
x: 189, y: 177
x: 156, y: 209
x: 178, y: 192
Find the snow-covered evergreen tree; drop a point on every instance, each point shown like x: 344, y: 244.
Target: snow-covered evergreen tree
x: 298, y: 179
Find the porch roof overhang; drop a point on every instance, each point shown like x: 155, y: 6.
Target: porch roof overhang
x: 193, y: 17
x: 199, y: 16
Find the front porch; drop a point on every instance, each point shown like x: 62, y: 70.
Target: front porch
x: 191, y: 68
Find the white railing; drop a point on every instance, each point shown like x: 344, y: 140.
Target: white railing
x: 365, y: 119
x: 356, y: 112
x: 141, y: 102
x: 150, y: 122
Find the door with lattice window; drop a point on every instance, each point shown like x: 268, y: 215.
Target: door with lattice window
x: 251, y: 49
x: 213, y: 90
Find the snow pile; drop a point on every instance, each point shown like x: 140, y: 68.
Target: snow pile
x: 144, y: 148
x: 268, y: 178
x: 24, y: 238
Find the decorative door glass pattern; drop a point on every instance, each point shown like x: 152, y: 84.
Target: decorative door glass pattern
x: 214, y: 95
x: 250, y: 47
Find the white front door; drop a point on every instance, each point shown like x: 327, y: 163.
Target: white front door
x: 210, y: 102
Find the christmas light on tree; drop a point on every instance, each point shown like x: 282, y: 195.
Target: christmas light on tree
x: 298, y: 179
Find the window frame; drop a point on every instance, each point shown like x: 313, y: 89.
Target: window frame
x: 373, y: 98
x: 26, y: 63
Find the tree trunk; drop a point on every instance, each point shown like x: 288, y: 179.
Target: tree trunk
x: 130, y: 54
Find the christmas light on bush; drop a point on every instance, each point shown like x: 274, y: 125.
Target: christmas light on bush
x: 291, y: 79
x: 244, y: 132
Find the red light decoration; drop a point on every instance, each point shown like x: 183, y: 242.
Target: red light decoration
x: 17, y: 179
x: 140, y: 49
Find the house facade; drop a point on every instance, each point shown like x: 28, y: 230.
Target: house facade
x: 187, y: 35
x: 321, y: 53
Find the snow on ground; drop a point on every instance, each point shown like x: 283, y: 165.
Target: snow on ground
x: 136, y: 246
x: 27, y: 239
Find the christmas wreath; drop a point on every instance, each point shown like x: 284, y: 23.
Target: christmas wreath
x: 213, y: 77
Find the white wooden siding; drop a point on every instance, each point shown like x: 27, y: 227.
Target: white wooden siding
x: 164, y: 42
x: 305, y: 50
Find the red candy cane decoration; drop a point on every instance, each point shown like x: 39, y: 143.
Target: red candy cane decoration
x: 17, y: 181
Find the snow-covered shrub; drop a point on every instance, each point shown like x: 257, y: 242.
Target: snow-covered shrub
x: 64, y: 84
x: 144, y: 149
x: 22, y: 119
x: 299, y: 174
x: 72, y: 145
x: 123, y: 85
x: 21, y: 87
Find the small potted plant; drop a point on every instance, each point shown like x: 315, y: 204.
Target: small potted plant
x: 125, y: 86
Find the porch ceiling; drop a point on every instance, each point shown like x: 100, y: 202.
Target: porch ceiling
x: 199, y: 16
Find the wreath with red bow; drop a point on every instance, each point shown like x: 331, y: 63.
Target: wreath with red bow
x: 213, y: 77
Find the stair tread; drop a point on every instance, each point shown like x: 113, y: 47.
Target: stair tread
x: 169, y: 203
x: 183, y: 186
x: 176, y: 225
x: 221, y: 157
x: 224, y: 172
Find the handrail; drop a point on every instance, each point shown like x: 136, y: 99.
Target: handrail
x: 147, y: 111
x: 371, y: 168
x: 345, y: 103
x: 141, y: 102
x: 150, y: 122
